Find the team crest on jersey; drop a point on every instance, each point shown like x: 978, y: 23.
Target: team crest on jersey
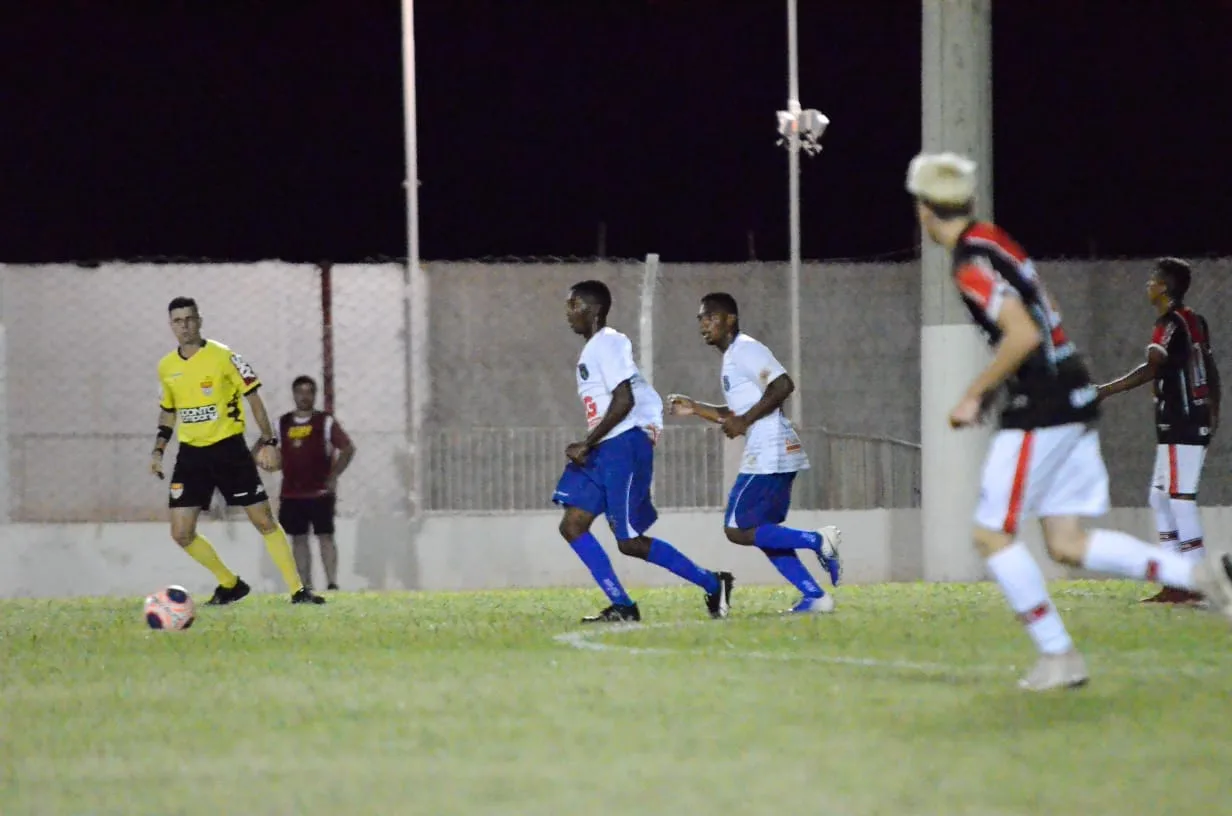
x: 583, y: 371
x: 726, y: 383
x: 207, y: 386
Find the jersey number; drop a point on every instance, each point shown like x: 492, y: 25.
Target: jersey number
x: 1198, y: 372
x: 592, y: 411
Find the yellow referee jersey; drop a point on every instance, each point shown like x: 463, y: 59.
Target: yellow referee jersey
x: 206, y: 392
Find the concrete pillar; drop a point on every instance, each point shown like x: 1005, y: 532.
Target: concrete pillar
x: 956, y: 92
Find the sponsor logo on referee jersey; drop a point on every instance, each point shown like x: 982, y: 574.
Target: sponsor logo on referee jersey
x: 206, y: 413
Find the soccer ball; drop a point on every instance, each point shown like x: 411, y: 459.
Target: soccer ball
x: 170, y: 608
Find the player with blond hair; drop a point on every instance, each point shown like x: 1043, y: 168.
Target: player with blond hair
x: 1044, y: 460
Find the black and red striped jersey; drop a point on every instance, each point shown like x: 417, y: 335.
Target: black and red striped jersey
x: 1053, y: 386
x: 1182, y: 393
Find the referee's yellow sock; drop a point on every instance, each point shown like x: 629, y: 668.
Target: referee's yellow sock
x: 202, y: 551
x: 280, y: 553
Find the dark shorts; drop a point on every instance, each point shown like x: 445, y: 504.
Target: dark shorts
x: 298, y: 515
x: 225, y: 466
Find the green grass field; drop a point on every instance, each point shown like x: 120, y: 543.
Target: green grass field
x: 901, y: 703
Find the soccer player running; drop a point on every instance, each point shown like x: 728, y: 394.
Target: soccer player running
x: 611, y: 471
x: 1187, y: 393
x: 315, y: 452
x: 1045, y: 459
x: 203, y: 384
x: 756, y: 385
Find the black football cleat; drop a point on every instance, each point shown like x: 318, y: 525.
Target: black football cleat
x: 306, y: 596
x: 229, y: 595
x: 616, y: 613
x: 719, y: 603
x: 332, y: 587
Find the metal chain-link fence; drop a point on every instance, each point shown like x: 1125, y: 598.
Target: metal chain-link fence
x: 81, y: 345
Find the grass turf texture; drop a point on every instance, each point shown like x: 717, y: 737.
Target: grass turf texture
x: 435, y: 703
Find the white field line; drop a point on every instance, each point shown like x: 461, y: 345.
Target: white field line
x: 588, y: 640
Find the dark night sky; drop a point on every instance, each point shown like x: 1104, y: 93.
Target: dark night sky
x: 240, y: 130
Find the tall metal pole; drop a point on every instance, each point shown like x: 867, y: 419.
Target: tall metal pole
x: 415, y: 280
x: 793, y: 193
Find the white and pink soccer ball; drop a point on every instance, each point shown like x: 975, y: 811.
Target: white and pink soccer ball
x: 171, y: 608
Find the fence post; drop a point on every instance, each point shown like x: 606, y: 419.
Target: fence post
x: 650, y: 277
x: 418, y: 381
x: 5, y: 486
x: 327, y: 334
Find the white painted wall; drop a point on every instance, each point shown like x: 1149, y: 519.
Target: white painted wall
x: 463, y: 553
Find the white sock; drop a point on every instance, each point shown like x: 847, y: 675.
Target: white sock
x: 1165, y: 521
x: 1188, y: 528
x: 1023, y: 585
x: 1122, y: 554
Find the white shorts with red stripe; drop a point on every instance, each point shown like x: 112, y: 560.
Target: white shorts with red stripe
x: 1178, y: 469
x: 1057, y: 471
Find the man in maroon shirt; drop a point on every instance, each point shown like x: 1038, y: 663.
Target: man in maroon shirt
x: 315, y: 452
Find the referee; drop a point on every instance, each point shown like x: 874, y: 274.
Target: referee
x: 203, y: 385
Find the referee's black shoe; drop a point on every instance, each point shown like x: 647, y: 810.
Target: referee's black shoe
x: 306, y: 596
x: 229, y: 595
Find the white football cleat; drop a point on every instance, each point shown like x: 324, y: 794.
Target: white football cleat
x: 831, y: 537
x: 1056, y: 671
x: 1213, y: 578
x: 813, y: 606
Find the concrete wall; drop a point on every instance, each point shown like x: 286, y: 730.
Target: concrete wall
x: 460, y: 553
x: 500, y: 355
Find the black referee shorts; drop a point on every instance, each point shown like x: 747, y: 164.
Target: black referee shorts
x: 225, y: 466
x: 297, y: 516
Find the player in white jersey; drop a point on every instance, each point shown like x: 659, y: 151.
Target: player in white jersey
x: 611, y: 471
x: 755, y: 386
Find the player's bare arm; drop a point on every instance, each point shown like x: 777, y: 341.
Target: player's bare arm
x: 617, y: 410
x: 681, y: 405
x: 1143, y: 374
x: 772, y: 399
x: 166, y: 426
x: 265, y: 451
x: 342, y: 458
x: 1020, y: 337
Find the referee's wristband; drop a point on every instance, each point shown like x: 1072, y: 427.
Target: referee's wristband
x: 271, y: 442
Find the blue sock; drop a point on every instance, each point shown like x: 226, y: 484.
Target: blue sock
x: 778, y: 537
x: 595, y: 558
x: 674, y: 561
x: 790, y: 567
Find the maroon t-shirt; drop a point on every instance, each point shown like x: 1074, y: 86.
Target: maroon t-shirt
x: 308, y: 445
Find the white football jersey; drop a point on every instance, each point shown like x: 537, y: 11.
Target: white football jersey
x: 771, y: 443
x: 607, y: 361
